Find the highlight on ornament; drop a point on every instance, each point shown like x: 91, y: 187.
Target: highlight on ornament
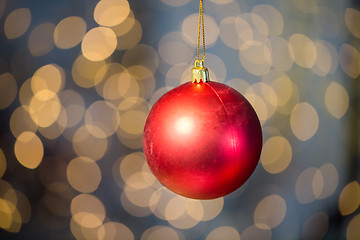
x: 202, y: 139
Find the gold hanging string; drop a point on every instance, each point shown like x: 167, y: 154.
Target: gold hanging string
x: 201, y: 26
x: 200, y: 73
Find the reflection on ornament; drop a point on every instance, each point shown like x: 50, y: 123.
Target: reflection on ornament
x: 202, y: 139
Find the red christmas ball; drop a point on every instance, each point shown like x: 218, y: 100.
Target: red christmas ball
x: 202, y: 140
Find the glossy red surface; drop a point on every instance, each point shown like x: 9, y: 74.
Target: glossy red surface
x: 202, y: 140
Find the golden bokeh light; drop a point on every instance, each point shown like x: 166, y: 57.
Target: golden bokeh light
x: 73, y: 104
x: 158, y: 201
x: 145, y: 79
x: 175, y: 208
x: 133, y: 209
x: 221, y: 1
x: 2, y: 7
x: 306, y: 6
x: 317, y: 183
x: 326, y: 60
x: 336, y: 100
x: 88, y: 212
x: 125, y: 26
x: 132, y: 122
x: 143, y: 55
x: 304, y: 186
x: 86, y: 144
x: 103, y: 115
x: 184, y: 222
x: 224, y: 232
x: 17, y: 23
x: 22, y: 205
x: 114, y: 230
x: 175, y: 3
x: 49, y: 77
x: 352, y: 19
x: 349, y: 199
x: 350, y: 60
x: 252, y: 232
x: 175, y: 74
x: 137, y: 190
x: 230, y: 26
x: 98, y: 43
x: 211, y: 209
x: 256, y: 58
x: 264, y: 100
x: 294, y: 99
x: 276, y: 154
x: 259, y: 106
x: 133, y: 142
x: 83, y: 174
x: 140, y: 180
x: 41, y: 39
x: 183, y: 213
x: 330, y: 180
x: 282, y: 86
x: 258, y: 26
x: 29, y: 150
x: 8, y: 90
x: 120, y: 85
x: 44, y: 108
x: 353, y: 230
x: 25, y: 93
x: 272, y: 17
x: 131, y: 164
x: 10, y: 216
x: 173, y: 49
x: 57, y: 128
x: 245, y: 29
x: 238, y: 84
x: 270, y: 212
x: 304, y: 121
x: 195, y: 209
x: 131, y: 38
x: 323, y: 60
x: 69, y: 32
x: 160, y: 233
x: 189, y: 30
x: 87, y: 73
x: 281, y: 53
x: 87, y: 220
x: 304, y: 50
x: 20, y: 121
x: 111, y: 12
x: 2, y: 163
x: 217, y: 68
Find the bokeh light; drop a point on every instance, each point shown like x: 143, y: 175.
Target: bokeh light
x: 8, y: 90
x: 41, y: 39
x: 29, y: 150
x: 69, y: 32
x: 111, y: 12
x: 17, y: 23
x: 99, y: 43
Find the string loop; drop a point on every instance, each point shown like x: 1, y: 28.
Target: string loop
x: 201, y: 26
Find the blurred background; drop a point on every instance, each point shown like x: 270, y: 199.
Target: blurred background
x: 78, y: 78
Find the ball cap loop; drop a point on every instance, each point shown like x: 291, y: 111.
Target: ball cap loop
x: 199, y: 73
